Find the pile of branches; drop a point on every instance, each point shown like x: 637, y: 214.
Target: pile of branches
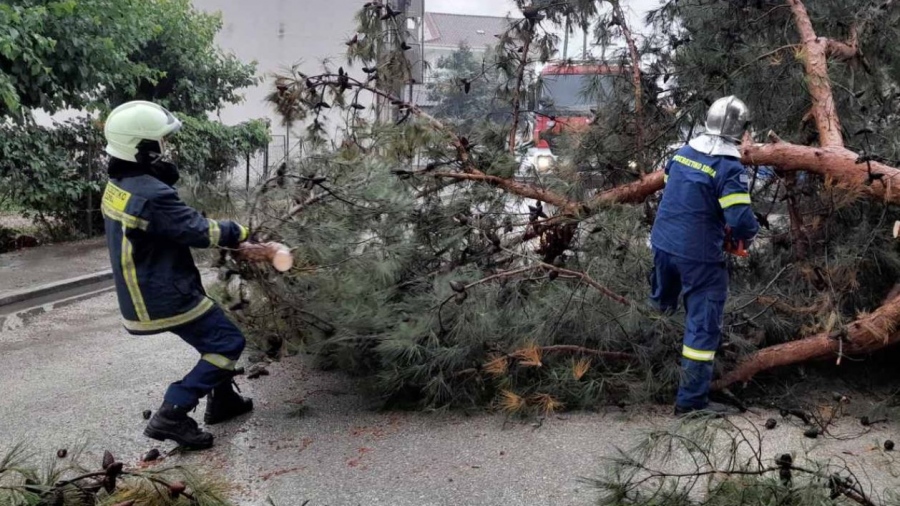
x: 63, y: 481
x: 728, y: 465
x: 433, y: 263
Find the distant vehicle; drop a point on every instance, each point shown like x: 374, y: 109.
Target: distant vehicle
x: 562, y: 104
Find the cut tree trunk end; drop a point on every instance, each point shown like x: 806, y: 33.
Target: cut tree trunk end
x: 277, y: 254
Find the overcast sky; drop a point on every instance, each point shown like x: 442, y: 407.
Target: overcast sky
x: 637, y: 8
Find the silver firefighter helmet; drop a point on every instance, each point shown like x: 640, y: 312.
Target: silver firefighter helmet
x: 728, y: 118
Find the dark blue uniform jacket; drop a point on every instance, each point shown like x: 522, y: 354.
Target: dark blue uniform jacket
x: 703, y: 195
x: 150, y: 233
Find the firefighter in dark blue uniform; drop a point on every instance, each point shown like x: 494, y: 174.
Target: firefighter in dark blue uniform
x: 705, y: 210
x: 150, y: 233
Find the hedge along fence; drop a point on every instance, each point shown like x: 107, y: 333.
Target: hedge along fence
x: 55, y: 175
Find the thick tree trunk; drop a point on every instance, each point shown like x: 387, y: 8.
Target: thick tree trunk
x: 632, y: 193
x: 867, y: 334
x: 835, y: 163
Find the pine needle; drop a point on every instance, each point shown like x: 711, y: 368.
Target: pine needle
x: 498, y: 366
x: 511, y: 402
x: 529, y: 356
x: 580, y: 368
x: 547, y: 404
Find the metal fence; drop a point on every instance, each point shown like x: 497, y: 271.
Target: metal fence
x: 256, y: 169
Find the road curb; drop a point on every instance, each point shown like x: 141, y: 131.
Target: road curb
x: 21, y: 318
x: 54, y: 288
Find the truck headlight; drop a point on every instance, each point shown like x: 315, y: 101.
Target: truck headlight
x: 543, y: 163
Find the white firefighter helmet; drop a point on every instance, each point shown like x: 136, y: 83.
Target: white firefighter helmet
x: 728, y: 118
x: 133, y: 122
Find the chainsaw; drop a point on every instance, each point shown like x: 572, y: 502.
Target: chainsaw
x: 732, y: 248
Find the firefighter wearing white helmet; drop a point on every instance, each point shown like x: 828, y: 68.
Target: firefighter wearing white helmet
x: 150, y: 232
x: 132, y: 123
x: 705, y: 211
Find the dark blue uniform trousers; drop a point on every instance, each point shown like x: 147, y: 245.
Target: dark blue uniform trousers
x: 220, y: 344
x: 704, y: 287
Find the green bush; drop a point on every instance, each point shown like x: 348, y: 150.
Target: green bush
x: 54, y: 174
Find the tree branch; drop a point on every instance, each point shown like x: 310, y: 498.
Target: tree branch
x: 520, y: 79
x: 867, y: 334
x: 636, y: 76
x: 631, y: 193
x: 835, y: 163
x: 587, y: 279
x: 518, y: 188
x: 845, y: 50
x: 815, y: 63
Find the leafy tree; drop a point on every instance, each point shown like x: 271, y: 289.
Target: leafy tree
x: 97, y: 54
x: 209, y: 149
x: 52, y: 172
x: 185, y: 70
x: 59, y: 54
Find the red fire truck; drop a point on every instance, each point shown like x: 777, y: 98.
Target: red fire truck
x: 565, y: 95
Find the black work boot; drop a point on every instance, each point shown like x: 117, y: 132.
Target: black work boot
x: 173, y: 423
x: 223, y: 404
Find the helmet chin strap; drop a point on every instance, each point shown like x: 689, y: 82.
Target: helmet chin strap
x: 150, y: 156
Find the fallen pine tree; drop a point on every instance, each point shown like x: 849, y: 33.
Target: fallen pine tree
x: 430, y: 261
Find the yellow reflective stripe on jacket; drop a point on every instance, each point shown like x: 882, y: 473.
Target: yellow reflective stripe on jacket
x: 665, y: 178
x: 215, y: 233
x: 129, y: 272
x: 115, y: 202
x: 735, y: 199
x: 245, y: 233
x: 220, y: 361
x: 115, y: 197
x: 698, y: 355
x: 171, y: 322
x: 124, y: 218
x: 706, y: 169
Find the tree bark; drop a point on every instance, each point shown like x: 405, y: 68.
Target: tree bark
x: 865, y: 335
x: 815, y: 63
x: 837, y: 163
x: 631, y: 193
x: 520, y: 78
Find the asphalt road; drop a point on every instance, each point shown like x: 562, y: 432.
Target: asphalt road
x: 74, y: 377
x: 31, y: 267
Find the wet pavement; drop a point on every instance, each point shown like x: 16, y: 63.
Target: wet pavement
x: 20, y: 270
x: 74, y: 377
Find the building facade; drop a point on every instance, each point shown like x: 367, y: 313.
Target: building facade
x: 280, y: 33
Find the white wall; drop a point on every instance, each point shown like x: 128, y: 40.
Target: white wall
x: 278, y: 34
